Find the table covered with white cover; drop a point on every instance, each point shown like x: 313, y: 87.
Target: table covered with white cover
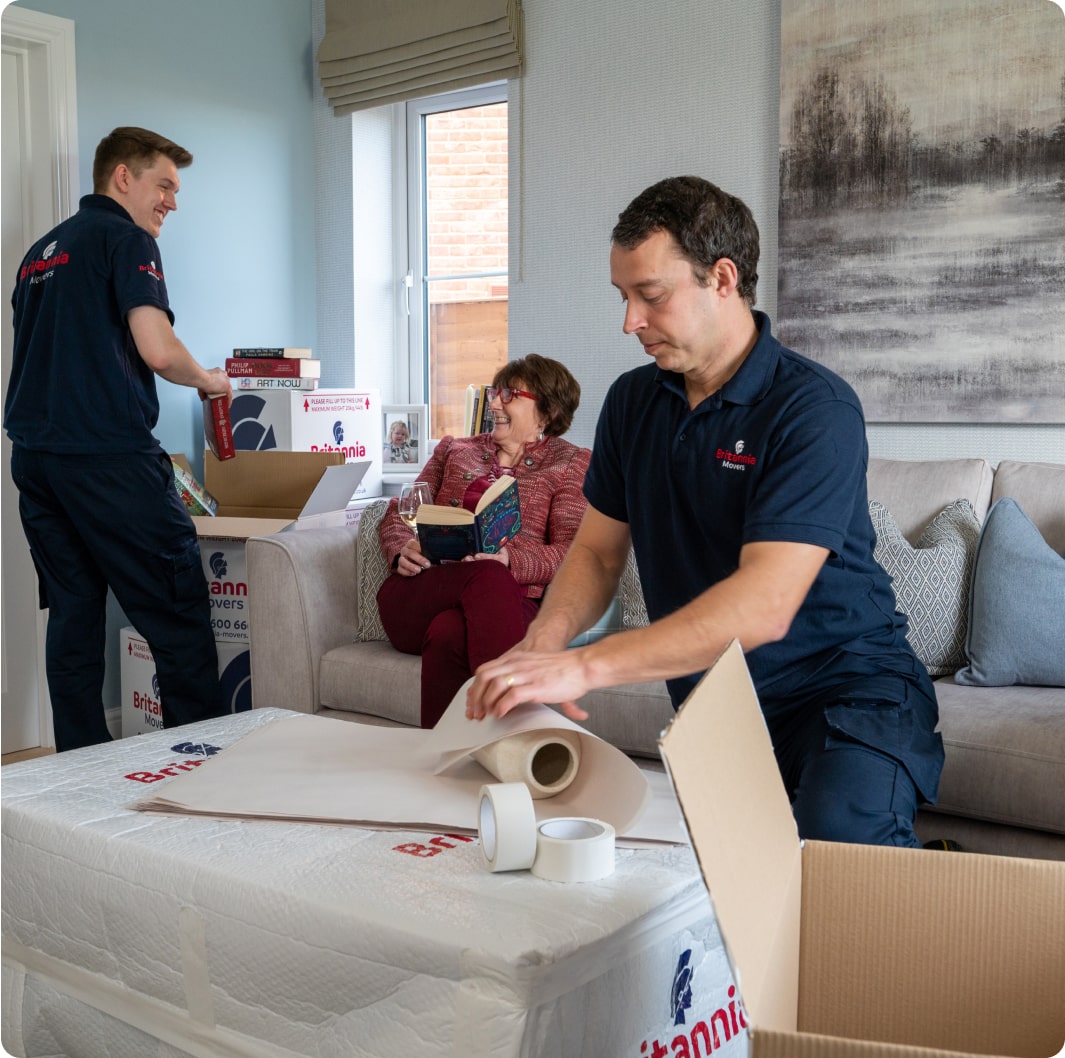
x: 131, y: 933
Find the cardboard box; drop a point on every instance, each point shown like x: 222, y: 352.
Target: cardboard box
x: 855, y: 950
x: 261, y: 493
x: 344, y: 421
x: 142, y: 710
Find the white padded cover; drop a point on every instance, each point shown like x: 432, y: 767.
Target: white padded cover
x: 222, y: 937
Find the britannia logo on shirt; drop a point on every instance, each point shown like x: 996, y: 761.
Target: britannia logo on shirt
x: 151, y: 269
x: 735, y: 458
x: 44, y: 266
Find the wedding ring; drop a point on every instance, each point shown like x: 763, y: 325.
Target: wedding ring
x: 510, y: 681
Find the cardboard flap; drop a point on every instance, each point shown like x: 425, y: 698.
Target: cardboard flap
x: 266, y: 480
x: 335, y: 489
x: 720, y: 760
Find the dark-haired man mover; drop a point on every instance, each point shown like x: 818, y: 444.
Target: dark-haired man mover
x: 737, y: 469
x: 93, y: 328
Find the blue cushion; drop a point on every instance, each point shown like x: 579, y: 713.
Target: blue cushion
x: 1017, y: 605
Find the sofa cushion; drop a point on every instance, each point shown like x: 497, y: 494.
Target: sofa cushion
x: 630, y: 592
x: 1005, y: 754
x: 1017, y: 605
x: 370, y: 572
x: 1039, y: 488
x: 915, y: 491
x: 931, y: 580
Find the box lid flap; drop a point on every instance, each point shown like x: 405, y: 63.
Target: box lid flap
x: 721, y: 763
x: 335, y: 489
x: 277, y: 480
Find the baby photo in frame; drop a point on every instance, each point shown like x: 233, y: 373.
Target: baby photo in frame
x: 404, y: 428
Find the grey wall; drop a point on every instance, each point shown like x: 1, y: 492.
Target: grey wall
x: 617, y: 94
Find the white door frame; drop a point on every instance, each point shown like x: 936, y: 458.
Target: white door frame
x: 41, y: 125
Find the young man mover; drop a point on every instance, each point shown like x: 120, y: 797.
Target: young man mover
x: 93, y: 328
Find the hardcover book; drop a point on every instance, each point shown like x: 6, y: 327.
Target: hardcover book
x: 259, y: 382
x: 196, y: 498
x: 449, y: 534
x: 273, y: 367
x: 217, y: 428
x: 272, y: 352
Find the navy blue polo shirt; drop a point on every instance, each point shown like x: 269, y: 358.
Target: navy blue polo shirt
x: 778, y: 454
x: 78, y: 383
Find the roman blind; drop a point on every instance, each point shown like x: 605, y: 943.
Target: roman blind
x: 386, y: 51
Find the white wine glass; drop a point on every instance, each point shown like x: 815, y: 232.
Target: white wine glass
x: 411, y: 496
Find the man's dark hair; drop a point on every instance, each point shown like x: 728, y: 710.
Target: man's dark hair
x: 135, y: 148
x: 707, y: 223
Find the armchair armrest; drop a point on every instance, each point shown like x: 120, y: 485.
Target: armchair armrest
x: 303, y: 602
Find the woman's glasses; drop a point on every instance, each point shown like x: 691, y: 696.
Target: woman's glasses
x: 506, y: 394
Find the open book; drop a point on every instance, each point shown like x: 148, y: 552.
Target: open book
x: 449, y: 534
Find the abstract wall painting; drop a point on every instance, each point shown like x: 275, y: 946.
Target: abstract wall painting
x: 922, y: 204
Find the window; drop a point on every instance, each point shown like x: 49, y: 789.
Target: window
x: 456, y: 223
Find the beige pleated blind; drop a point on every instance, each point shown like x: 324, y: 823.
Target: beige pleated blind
x: 386, y: 51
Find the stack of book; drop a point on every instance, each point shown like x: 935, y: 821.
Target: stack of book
x: 274, y: 367
x: 478, y: 415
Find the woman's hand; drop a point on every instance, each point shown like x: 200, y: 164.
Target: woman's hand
x: 502, y: 555
x: 411, y: 560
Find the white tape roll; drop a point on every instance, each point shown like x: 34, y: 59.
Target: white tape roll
x: 507, y: 826
x: 546, y: 762
x: 573, y: 849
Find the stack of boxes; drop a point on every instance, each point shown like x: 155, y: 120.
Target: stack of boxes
x: 265, y: 494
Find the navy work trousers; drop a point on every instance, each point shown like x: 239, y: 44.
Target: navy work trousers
x: 99, y: 521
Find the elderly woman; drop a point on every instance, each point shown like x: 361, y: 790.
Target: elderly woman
x: 459, y: 615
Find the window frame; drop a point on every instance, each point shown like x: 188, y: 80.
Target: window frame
x: 412, y: 353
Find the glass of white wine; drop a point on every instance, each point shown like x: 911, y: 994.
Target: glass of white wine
x: 411, y: 496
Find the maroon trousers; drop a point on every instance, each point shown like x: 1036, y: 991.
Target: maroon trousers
x: 457, y: 616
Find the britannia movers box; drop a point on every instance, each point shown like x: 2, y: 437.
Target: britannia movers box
x: 854, y: 950
x: 260, y: 493
x: 344, y: 421
x: 142, y: 709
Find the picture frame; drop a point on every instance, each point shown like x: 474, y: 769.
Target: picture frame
x: 415, y: 419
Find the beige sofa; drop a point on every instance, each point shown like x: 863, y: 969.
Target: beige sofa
x: 317, y: 646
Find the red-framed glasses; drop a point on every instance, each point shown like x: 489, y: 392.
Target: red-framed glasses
x: 506, y: 394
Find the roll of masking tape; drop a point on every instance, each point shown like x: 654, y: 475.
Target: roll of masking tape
x: 573, y: 849
x: 507, y: 826
x: 546, y: 762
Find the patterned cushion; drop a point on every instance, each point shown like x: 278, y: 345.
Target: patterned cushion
x: 932, y: 580
x: 370, y: 572
x: 633, y: 607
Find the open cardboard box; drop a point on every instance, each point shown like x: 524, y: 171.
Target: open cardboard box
x: 855, y: 950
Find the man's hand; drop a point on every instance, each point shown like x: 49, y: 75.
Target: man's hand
x: 218, y: 383
x: 521, y: 675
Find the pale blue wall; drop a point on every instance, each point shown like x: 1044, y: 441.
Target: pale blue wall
x: 232, y: 81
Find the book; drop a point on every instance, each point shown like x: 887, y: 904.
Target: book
x: 198, y: 501
x: 260, y: 382
x: 273, y: 367
x: 449, y: 534
x: 217, y: 427
x: 478, y: 413
x: 273, y: 352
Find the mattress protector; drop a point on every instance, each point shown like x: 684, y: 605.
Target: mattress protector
x: 218, y: 937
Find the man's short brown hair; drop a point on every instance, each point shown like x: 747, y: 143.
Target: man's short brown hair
x: 135, y: 148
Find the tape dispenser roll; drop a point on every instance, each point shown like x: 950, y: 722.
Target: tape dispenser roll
x: 547, y: 762
x: 574, y: 849
x: 507, y: 826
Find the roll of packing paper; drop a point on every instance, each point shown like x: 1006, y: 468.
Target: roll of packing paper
x: 572, y: 849
x: 507, y: 826
x: 546, y: 761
